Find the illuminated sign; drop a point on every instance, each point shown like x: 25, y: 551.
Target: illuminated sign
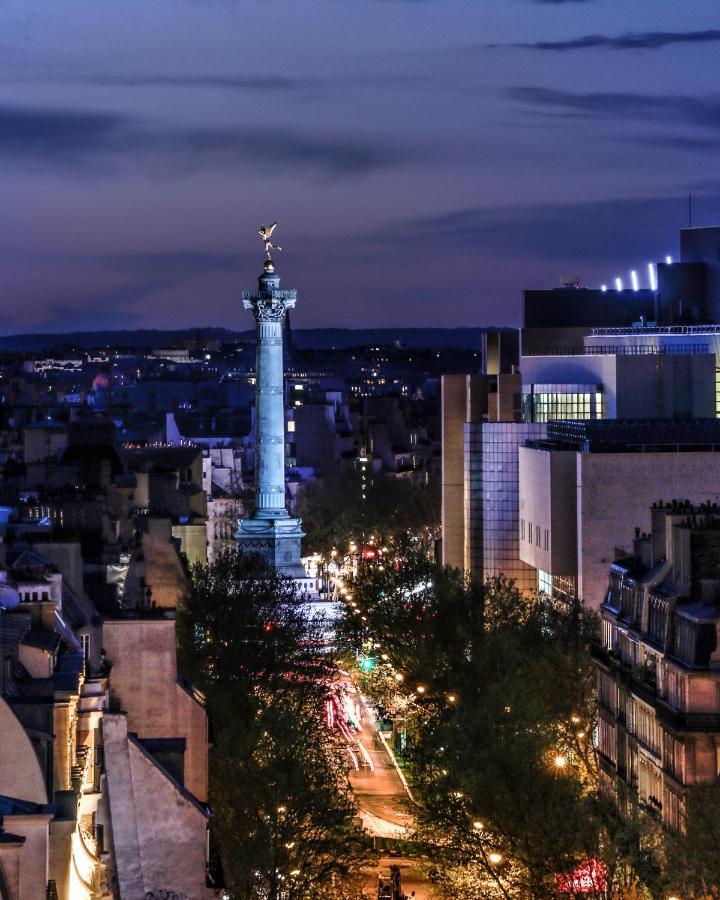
x: 587, y: 878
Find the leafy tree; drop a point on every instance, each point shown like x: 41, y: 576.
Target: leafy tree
x: 501, y: 756
x: 335, y: 513
x: 283, y: 812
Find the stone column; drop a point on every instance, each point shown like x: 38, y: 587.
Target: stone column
x: 271, y: 532
x: 269, y: 306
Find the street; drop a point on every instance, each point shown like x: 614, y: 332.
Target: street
x: 385, y: 808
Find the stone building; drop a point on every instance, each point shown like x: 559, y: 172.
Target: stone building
x: 658, y: 663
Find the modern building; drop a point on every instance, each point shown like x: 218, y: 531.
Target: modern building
x: 589, y: 482
x: 658, y: 665
x: 585, y: 356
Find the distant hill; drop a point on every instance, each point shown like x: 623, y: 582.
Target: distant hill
x: 319, y: 338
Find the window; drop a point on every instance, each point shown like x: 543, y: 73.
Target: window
x: 676, y: 690
x: 291, y: 425
x: 547, y: 539
x: 607, y: 691
x: 522, y: 529
x: 648, y: 730
x: 649, y: 783
x: 674, y: 757
x: 673, y: 810
x: 85, y: 644
x: 537, y: 535
x: 607, y: 742
x: 607, y: 636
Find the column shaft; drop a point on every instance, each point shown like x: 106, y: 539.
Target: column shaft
x: 270, y: 422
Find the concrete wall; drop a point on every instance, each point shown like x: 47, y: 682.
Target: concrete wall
x: 703, y: 245
x: 158, y: 833
x: 548, y: 503
x: 26, y: 867
x: 614, y: 493
x: 595, y: 369
x: 143, y: 679
x: 665, y: 386
x: 20, y: 773
x: 453, y: 396
x: 163, y: 570
x: 635, y: 386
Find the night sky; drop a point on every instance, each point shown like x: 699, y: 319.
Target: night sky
x: 426, y: 159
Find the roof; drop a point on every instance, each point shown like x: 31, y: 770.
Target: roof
x: 632, y: 435
x: 66, y: 676
x: 164, y: 457
x: 43, y: 640
x: 13, y: 627
x: 191, y: 798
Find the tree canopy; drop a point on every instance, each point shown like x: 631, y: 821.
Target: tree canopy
x: 282, y: 807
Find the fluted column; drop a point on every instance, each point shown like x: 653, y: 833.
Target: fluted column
x: 269, y: 306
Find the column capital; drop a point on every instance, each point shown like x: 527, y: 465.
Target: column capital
x: 269, y: 307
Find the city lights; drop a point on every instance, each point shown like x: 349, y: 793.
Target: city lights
x: 652, y: 276
x: 618, y: 284
x: 495, y: 858
x: 560, y: 761
x: 634, y: 280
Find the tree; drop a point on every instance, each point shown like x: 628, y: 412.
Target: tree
x: 501, y: 754
x: 334, y: 511
x: 283, y: 812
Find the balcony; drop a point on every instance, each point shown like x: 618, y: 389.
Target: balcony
x: 687, y: 721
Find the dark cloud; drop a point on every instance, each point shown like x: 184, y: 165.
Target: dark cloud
x: 644, y: 40
x: 667, y: 108
x: 62, y: 138
x: 590, y: 232
x: 43, y: 134
x: 175, y: 263
x: 277, y: 149
x: 247, y: 83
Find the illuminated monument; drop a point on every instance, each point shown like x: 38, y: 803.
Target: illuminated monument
x: 271, y: 532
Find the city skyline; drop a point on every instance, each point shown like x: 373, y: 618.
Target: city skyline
x: 450, y: 151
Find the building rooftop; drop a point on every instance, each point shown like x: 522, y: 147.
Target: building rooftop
x: 632, y: 435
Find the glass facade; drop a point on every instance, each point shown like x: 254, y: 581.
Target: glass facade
x: 492, y: 500
x: 562, y: 586
x: 543, y: 402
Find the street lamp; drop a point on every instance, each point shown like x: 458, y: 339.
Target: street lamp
x: 495, y: 858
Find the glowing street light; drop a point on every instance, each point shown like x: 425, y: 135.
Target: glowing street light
x: 478, y: 826
x: 495, y: 858
x: 603, y: 288
x: 634, y: 280
x: 420, y: 689
x: 668, y: 260
x: 560, y: 761
x: 618, y: 284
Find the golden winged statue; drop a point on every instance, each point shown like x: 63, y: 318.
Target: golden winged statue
x: 265, y: 233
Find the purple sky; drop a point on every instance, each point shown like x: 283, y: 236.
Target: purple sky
x: 426, y: 159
